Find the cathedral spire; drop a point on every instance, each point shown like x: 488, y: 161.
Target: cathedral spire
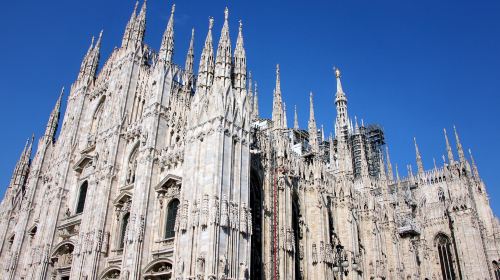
x: 255, y: 110
x: 475, y: 171
x: 167, y: 44
x: 223, y: 61
x: 188, y: 67
x: 86, y: 58
x: 397, y: 174
x: 389, y: 164
x: 285, y: 120
x: 90, y: 62
x: 295, y: 119
x: 341, y: 123
x: 140, y: 26
x: 129, y: 29
x: 420, y: 165
x: 52, y: 124
x: 313, y: 130
x: 206, y: 68
x: 461, y: 154
x: 240, y: 62
x: 277, y: 116
x: 448, y: 147
x: 20, y: 173
x: 249, y: 86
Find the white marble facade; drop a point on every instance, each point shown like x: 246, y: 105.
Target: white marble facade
x: 161, y: 173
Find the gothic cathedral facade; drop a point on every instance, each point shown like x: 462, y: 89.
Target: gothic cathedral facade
x: 160, y: 173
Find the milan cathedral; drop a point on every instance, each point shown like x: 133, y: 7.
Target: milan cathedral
x: 158, y: 172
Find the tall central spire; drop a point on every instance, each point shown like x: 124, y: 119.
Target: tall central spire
x: 167, y: 43
x: 223, y: 61
x: 277, y: 116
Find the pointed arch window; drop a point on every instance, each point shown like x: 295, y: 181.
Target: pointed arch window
x: 82, y: 196
x: 171, y: 218
x: 96, y: 121
x: 132, y: 166
x: 123, y: 229
x: 445, y: 257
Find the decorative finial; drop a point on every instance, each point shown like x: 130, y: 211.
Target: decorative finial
x: 226, y: 13
x: 241, y: 25
x: 277, y: 69
x: 210, y: 23
x: 100, y: 34
x: 173, y: 9
x: 337, y: 72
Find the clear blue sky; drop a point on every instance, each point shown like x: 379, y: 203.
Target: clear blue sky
x: 412, y: 66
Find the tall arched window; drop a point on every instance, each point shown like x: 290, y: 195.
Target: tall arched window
x: 132, y: 166
x: 171, y: 217
x: 82, y: 195
x: 445, y: 257
x: 123, y: 229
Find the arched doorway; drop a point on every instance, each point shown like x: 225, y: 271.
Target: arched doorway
x: 256, y: 203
